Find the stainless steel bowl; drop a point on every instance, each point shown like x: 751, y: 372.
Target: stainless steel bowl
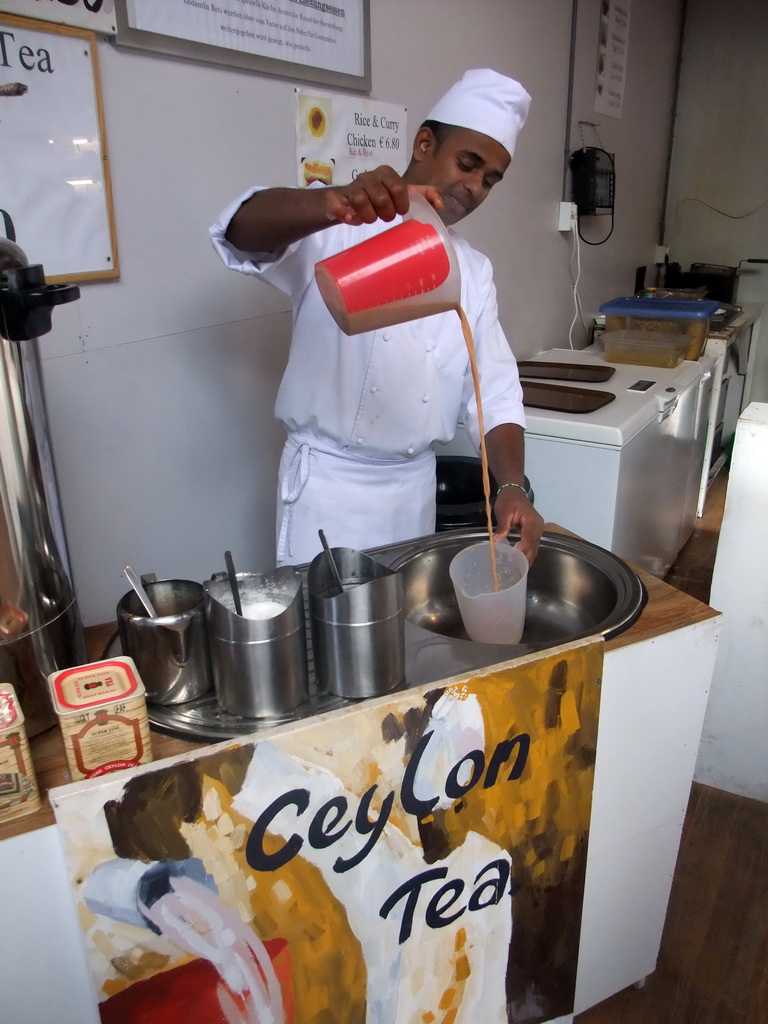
x: 575, y: 589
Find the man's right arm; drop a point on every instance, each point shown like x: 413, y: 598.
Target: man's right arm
x: 274, y: 218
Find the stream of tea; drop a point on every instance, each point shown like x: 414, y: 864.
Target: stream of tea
x: 470, y: 342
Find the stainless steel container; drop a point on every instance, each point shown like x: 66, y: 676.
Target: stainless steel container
x: 40, y: 627
x: 357, y: 635
x: 170, y: 651
x: 259, y: 658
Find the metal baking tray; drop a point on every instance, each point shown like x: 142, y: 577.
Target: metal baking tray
x: 563, y: 398
x: 585, y: 372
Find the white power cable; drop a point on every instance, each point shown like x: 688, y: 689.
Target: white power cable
x: 576, y: 251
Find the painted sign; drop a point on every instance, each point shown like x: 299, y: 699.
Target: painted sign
x: 339, y: 137
x: 419, y: 857
x: 96, y: 15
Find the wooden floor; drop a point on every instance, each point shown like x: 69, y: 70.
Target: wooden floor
x: 713, y: 963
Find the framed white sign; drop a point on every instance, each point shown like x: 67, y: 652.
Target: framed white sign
x: 54, y: 176
x: 324, y: 41
x: 96, y: 15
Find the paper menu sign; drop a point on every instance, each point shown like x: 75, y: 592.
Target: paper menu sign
x: 339, y: 137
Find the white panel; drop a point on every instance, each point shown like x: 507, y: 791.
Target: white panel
x: 733, y: 748
x: 652, y: 707
x: 575, y: 485
x: 45, y: 972
x: 625, y: 905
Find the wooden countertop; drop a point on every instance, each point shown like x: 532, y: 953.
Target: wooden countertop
x: 667, y: 609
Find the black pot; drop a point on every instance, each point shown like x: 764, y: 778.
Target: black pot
x: 460, y: 497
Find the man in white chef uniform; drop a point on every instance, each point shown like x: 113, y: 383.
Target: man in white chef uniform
x: 363, y: 412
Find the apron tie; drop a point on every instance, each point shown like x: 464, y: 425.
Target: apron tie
x: 293, y: 484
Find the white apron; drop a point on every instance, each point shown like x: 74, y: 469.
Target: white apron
x: 358, y: 503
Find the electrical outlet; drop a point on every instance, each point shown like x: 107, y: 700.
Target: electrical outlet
x: 567, y: 217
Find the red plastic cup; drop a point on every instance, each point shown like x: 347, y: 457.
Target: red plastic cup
x: 404, y: 273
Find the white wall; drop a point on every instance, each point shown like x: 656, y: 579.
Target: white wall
x: 718, y: 198
x: 161, y: 384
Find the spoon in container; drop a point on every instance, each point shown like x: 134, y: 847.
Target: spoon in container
x: 233, y: 582
x: 135, y: 582
x: 332, y: 561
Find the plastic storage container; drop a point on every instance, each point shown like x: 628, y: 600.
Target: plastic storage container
x: 644, y: 349
x: 689, y: 318
x: 687, y: 294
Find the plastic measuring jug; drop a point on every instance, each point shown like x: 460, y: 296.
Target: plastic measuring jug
x: 403, y: 273
x: 490, y: 616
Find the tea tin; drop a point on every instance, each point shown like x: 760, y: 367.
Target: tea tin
x: 102, y: 713
x: 19, y: 793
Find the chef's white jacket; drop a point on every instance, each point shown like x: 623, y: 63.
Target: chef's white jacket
x: 362, y: 412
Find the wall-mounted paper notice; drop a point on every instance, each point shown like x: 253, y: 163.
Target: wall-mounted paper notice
x: 316, y: 40
x: 339, y: 137
x: 612, y: 51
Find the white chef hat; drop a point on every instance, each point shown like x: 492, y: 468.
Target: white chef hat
x: 486, y: 102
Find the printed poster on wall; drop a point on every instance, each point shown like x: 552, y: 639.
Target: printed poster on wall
x: 339, y: 137
x: 321, y: 33
x: 419, y: 857
x: 612, y: 54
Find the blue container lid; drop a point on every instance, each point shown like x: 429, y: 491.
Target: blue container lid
x: 662, y: 309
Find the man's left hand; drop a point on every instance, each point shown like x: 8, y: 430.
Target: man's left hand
x: 513, y: 511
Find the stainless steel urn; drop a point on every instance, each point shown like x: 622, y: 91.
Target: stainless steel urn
x: 40, y: 627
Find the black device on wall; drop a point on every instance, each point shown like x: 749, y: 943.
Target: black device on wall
x: 592, y: 181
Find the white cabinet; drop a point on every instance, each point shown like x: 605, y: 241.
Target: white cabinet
x: 651, y: 715
x: 654, y: 693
